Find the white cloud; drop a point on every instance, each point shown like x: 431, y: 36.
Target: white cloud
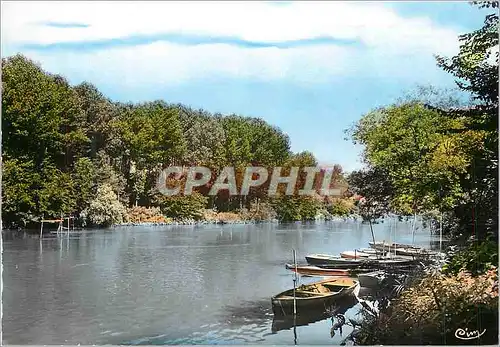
x: 386, y: 37
x: 371, y: 23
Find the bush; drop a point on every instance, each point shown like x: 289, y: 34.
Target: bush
x: 291, y: 209
x: 261, y: 211
x: 140, y: 214
x: 183, y: 207
x: 341, y: 207
x: 105, y: 210
x: 476, y: 258
x: 432, y: 311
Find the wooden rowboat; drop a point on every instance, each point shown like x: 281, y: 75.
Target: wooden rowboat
x: 315, y: 296
x: 309, y: 270
x: 289, y: 322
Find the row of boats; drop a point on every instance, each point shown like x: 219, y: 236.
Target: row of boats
x: 343, y: 275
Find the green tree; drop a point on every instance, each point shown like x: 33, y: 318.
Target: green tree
x: 41, y: 117
x: 476, y: 70
x: 105, y: 209
x: 376, y: 191
x: 183, y: 207
x: 84, y: 178
x: 18, y: 194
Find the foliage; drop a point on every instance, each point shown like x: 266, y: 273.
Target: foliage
x: 431, y: 311
x: 204, y: 136
x: 62, y: 142
x: 139, y: 214
x: 84, y: 179
x: 423, y: 160
x: 18, y: 195
x: 291, y: 209
x: 476, y: 70
x: 477, y: 258
x: 374, y: 190
x: 476, y: 65
x: 341, y: 207
x: 40, y: 114
x: 262, y: 211
x: 183, y: 207
x: 105, y: 210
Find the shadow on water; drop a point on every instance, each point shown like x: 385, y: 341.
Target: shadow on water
x: 248, y: 312
x: 289, y: 322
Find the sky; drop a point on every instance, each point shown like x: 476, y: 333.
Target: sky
x: 311, y: 68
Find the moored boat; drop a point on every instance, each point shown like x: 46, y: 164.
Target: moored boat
x: 309, y: 270
x: 323, y: 260
x: 371, y: 251
x: 371, y: 279
x: 393, y: 244
x: 355, y: 254
x: 314, y: 296
x: 281, y: 322
x: 400, y: 249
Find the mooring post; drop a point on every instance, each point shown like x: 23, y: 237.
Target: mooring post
x: 294, y: 284
x: 441, y: 233
x: 41, y: 227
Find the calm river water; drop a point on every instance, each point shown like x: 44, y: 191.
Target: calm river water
x: 169, y: 285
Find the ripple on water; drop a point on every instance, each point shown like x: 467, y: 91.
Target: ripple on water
x: 165, y: 285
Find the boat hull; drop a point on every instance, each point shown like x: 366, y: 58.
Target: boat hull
x: 317, y: 271
x: 283, y: 303
x: 355, y: 255
x: 343, y: 263
x: 281, y: 322
x: 371, y: 279
x: 400, y: 249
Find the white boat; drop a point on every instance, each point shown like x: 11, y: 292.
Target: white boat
x: 400, y: 249
x: 354, y: 254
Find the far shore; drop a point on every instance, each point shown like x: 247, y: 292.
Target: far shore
x: 52, y: 227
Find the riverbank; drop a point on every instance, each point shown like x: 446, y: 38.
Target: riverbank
x: 142, y: 216
x: 224, y: 221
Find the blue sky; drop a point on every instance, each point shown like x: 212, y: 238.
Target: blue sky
x: 311, y: 68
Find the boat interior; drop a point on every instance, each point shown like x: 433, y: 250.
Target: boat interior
x: 317, y: 289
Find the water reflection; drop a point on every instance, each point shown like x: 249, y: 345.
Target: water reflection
x: 166, y: 285
x: 289, y: 322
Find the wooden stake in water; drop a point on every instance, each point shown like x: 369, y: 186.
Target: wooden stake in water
x: 441, y: 233
x: 294, y: 284
x: 41, y: 227
x: 413, y: 228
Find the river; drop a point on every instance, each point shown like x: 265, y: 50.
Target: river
x: 169, y: 284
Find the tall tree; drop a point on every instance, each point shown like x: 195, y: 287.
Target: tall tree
x: 476, y: 70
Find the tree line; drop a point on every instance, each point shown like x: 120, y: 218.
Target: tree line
x: 70, y: 150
